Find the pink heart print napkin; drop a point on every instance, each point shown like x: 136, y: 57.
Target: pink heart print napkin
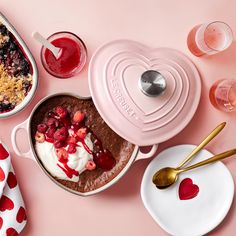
x: 12, y: 209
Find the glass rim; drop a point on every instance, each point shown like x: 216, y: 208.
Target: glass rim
x: 229, y: 30
x: 73, y: 73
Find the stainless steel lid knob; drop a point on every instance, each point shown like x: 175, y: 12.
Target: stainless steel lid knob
x: 152, y: 83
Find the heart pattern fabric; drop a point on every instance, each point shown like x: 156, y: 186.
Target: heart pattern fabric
x: 12, y: 209
x: 188, y: 190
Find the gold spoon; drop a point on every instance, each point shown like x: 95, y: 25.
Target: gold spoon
x: 212, y: 135
x: 194, y: 152
x: 167, y: 176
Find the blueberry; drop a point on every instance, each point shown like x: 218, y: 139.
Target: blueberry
x: 12, y: 46
x: 15, y: 71
x: 1, y: 52
x: 3, y: 30
x: 6, y: 107
x: 27, y: 86
x: 24, y: 65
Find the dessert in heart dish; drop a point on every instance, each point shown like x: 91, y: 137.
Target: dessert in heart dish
x: 75, y: 145
x: 18, y: 72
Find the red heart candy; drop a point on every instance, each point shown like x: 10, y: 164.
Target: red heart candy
x: 188, y: 190
x: 2, y: 174
x: 11, y: 232
x: 11, y: 180
x: 1, y: 222
x: 6, y: 203
x: 21, y: 215
x: 3, y: 152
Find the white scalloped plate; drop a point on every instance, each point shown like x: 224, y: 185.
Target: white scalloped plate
x: 195, y: 216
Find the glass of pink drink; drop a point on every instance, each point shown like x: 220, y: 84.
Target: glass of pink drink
x: 210, y: 38
x: 223, y: 95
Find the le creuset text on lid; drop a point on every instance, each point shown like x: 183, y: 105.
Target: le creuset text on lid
x: 145, y: 95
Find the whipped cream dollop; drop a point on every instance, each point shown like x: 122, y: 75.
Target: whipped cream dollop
x: 75, y: 164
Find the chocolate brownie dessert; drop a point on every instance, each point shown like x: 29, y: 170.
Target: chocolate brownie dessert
x: 87, y: 154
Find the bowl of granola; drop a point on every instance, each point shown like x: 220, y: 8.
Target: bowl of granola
x: 18, y: 71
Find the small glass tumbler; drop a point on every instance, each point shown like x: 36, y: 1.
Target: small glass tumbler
x: 209, y: 38
x: 72, y: 58
x: 223, y: 95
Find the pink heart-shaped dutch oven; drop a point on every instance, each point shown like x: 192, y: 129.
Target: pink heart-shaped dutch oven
x: 114, y: 77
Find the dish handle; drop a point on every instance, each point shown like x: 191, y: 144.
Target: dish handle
x: 16, y: 149
x: 142, y: 155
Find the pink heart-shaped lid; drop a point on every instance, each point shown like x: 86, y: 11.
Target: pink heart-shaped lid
x: 114, y: 73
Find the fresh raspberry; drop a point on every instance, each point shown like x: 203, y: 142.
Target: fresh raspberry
x: 61, y: 111
x: 72, y: 148
x: 81, y: 133
x: 77, y: 126
x: 58, y: 144
x: 50, y: 132
x: 42, y: 128
x: 65, y: 122
x: 39, y: 137
x: 71, y: 139
x: 78, y: 117
x: 62, y: 155
x: 61, y: 134
x: 52, y: 122
x: 53, y: 115
x: 90, y: 165
x: 105, y: 160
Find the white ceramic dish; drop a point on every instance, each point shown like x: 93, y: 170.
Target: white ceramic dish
x: 195, y: 216
x: 28, y: 54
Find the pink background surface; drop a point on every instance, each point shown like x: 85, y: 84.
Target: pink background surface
x: 119, y: 210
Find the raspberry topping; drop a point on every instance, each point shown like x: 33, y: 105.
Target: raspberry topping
x: 52, y: 122
x: 58, y: 144
x: 78, y: 117
x: 42, y: 128
x: 81, y: 133
x: 61, y: 112
x: 61, y: 134
x: 72, y: 148
x: 71, y: 139
x: 104, y: 160
x: 65, y: 132
x: 50, y: 132
x: 62, y: 155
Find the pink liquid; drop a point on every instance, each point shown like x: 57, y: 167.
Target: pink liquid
x: 215, y: 38
x: 192, y: 43
x: 223, y: 95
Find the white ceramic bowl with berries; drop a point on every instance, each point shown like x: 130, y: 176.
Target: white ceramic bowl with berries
x: 48, y: 139
x: 18, y: 71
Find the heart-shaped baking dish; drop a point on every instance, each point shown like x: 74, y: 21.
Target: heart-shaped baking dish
x: 115, y: 71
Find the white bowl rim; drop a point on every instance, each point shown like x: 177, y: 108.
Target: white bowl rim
x: 26, y: 50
